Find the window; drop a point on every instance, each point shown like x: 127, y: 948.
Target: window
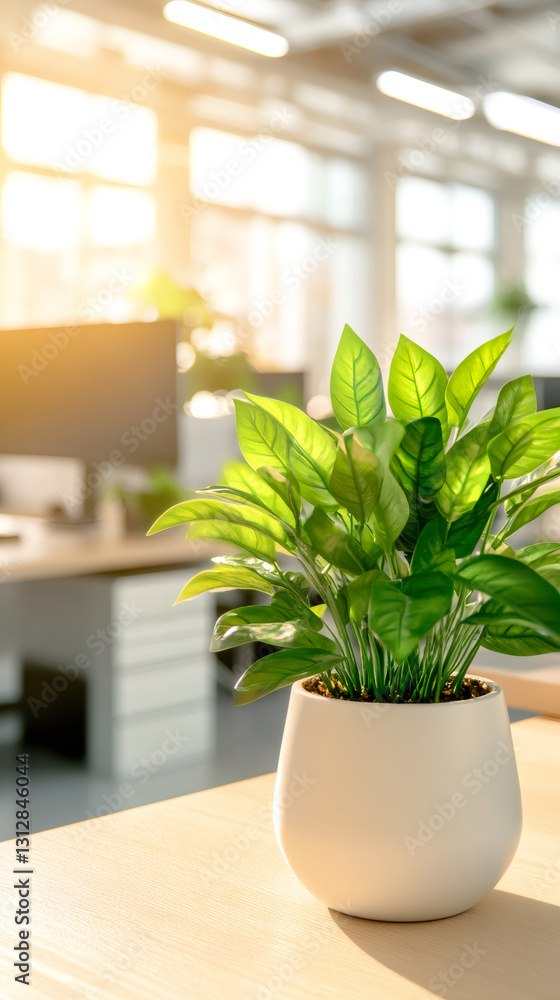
x: 445, y: 266
x: 77, y: 202
x: 542, y: 254
x: 288, y: 260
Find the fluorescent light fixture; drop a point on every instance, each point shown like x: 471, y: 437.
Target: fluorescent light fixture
x: 523, y: 116
x: 425, y: 95
x: 226, y: 28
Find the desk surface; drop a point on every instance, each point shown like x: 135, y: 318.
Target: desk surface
x: 45, y: 551
x: 190, y: 899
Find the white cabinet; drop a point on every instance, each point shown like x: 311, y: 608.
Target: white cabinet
x: 149, y: 674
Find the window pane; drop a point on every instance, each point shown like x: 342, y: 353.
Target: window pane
x: 345, y: 195
x: 422, y: 277
x: 39, y: 119
x: 63, y: 128
x: 473, y: 280
x: 41, y: 213
x: 250, y: 173
x: 542, y: 231
x: 123, y: 141
x: 423, y: 211
x: 542, y: 275
x: 540, y: 347
x: 220, y: 254
x: 472, y: 218
x: 542, y: 245
x: 120, y: 216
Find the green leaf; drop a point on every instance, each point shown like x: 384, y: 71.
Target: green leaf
x: 469, y: 377
x: 516, y: 399
x: 501, y: 548
x: 229, y: 632
x: 268, y: 570
x: 419, y: 461
x: 545, y: 427
x: 354, y: 480
x: 402, y: 612
x: 417, y: 384
x: 509, y: 447
x: 286, y: 488
x: 312, y: 451
x: 287, y: 606
x: 533, y: 509
x: 224, y: 578
x: 356, y: 385
x: 248, y: 539
x: 464, y: 533
x: 279, y: 669
x: 257, y: 485
x: 541, y: 556
x: 432, y: 551
x: 391, y: 510
x: 467, y: 472
x: 419, y: 465
x: 357, y: 593
x: 263, y: 441
x: 517, y: 586
x: 369, y: 545
x: 215, y: 510
x: 334, y: 544
x: 518, y: 640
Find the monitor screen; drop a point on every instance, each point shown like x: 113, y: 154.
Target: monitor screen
x: 90, y: 392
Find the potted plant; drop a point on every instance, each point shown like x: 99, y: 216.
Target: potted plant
x: 397, y: 795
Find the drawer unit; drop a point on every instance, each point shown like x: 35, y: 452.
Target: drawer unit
x: 164, y: 738
x: 139, y: 655
x: 162, y: 686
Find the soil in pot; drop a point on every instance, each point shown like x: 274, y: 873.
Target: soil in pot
x: 471, y: 688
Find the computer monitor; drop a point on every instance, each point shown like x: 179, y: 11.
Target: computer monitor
x: 102, y: 393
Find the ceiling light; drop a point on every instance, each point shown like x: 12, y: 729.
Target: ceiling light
x: 226, y: 28
x: 425, y: 95
x: 523, y: 116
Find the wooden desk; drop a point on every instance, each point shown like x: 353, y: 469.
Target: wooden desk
x: 191, y: 900
x: 45, y: 551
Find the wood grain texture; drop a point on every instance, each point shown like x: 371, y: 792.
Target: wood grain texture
x: 191, y: 899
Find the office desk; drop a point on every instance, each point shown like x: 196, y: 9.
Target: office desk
x: 46, y: 551
x: 94, y: 612
x: 191, y: 900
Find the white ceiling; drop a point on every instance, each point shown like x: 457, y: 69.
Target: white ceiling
x: 516, y: 41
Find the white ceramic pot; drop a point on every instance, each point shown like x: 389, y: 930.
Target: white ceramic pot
x: 397, y: 812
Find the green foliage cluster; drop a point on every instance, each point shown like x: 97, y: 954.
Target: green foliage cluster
x: 392, y: 523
